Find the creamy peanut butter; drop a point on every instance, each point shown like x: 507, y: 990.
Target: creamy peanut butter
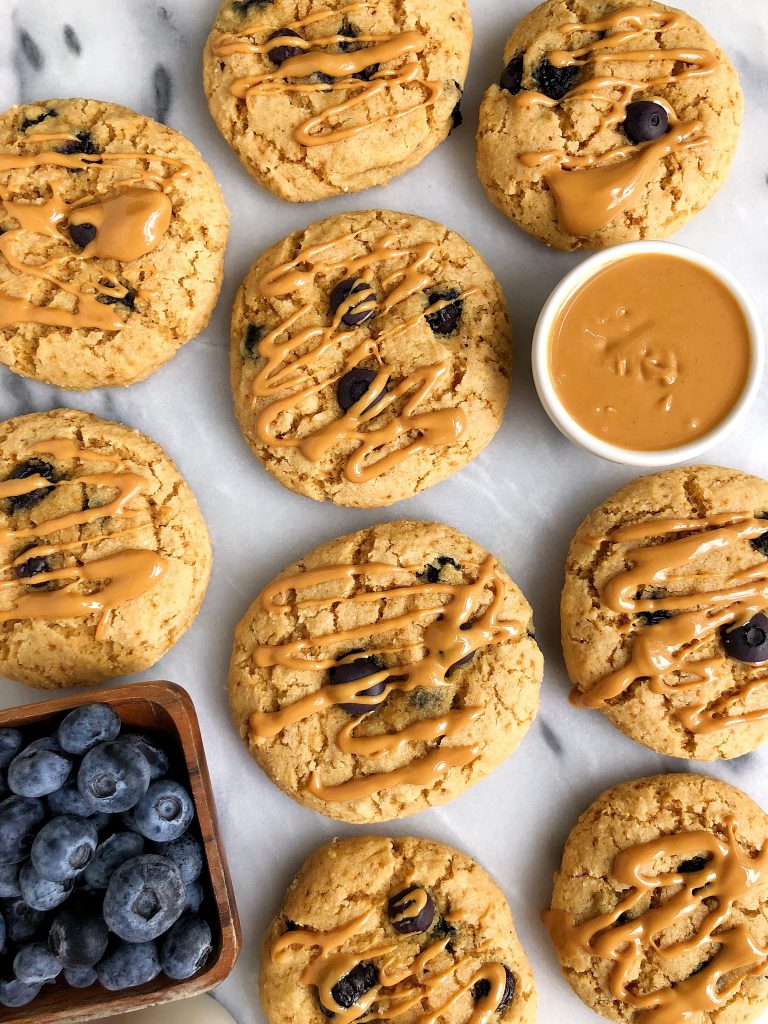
x: 650, y: 353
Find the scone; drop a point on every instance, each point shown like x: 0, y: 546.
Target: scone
x: 663, y: 612
x: 370, y: 357
x: 612, y: 122
x: 403, y: 930
x: 660, y: 908
x: 385, y: 672
x: 105, y: 555
x: 322, y: 98
x: 112, y: 237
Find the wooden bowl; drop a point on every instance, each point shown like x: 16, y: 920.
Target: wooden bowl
x: 166, y: 709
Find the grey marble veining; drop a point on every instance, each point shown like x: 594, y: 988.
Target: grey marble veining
x: 522, y: 498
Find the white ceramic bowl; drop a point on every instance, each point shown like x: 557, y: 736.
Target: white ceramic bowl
x: 563, y: 420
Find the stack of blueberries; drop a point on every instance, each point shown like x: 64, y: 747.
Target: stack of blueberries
x: 99, y: 870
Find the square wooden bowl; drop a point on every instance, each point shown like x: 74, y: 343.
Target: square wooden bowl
x: 165, y: 709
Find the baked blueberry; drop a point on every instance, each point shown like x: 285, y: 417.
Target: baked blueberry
x: 280, y: 54
x: 253, y: 335
x: 654, y: 618
x: 125, y: 297
x: 481, y: 989
x: 164, y: 812
x: 80, y: 977
x: 145, y: 896
x: 555, y: 82
x: 113, y: 776
x: 186, y: 853
x: 9, y: 883
x: 186, y: 947
x: 128, y: 964
x: 42, y: 893
x: 114, y: 851
x: 20, y: 818
x: 350, y: 989
x: 761, y: 543
x: 24, y: 923
x: 78, y: 935
x: 39, y: 769
x: 693, y: 864
x: 354, y: 384
x: 64, y: 847
x: 82, y: 143
x: 748, y: 643
x: 457, y: 118
x: 31, y: 467
x: 645, y: 121
x: 15, y: 993
x: 360, y: 668
x: 244, y: 6
x: 363, y: 310
x: 35, y: 964
x: 82, y: 234
x: 411, y: 911
x: 432, y: 572
x: 512, y: 76
x: 157, y: 758
x: 445, y: 320
x: 35, y: 566
x: 30, y: 122
x: 86, y: 726
x: 11, y: 742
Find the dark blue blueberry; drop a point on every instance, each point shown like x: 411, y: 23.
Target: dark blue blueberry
x: 80, y: 977
x: 20, y: 818
x: 253, y: 335
x: 35, y: 566
x: 747, y: 643
x: 86, y: 726
x: 193, y: 897
x: 78, y: 935
x: 354, y: 384
x: 432, y: 572
x: 407, y: 914
x: 64, y: 847
x: 114, y: 851
x: 69, y: 800
x: 555, y: 82
x: 353, y: 986
x: 360, y: 668
x: 23, y: 922
x: 280, y: 54
x: 9, y: 882
x: 30, y: 122
x: 445, y: 320
x: 654, y: 618
x: 457, y: 118
x: 15, y: 993
x: 31, y: 467
x: 113, y: 776
x: 39, y: 770
x: 645, y: 121
x: 186, y: 947
x: 367, y: 73
x: 82, y: 143
x: 127, y: 965
x: 145, y: 896
x: 82, y: 234
x: 355, y: 315
x: 35, y: 964
x: 42, y: 893
x: 512, y: 76
x: 761, y: 543
x: 164, y: 812
x: 156, y: 756
x: 126, y: 296
x: 11, y: 742
x: 481, y: 989
x: 186, y: 853
x: 694, y: 864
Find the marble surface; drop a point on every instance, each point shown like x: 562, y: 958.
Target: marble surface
x: 522, y: 498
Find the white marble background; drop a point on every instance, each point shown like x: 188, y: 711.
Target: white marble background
x: 522, y: 498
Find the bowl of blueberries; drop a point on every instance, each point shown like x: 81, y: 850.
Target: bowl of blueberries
x: 114, y: 887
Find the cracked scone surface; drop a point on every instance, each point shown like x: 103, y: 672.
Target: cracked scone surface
x: 660, y: 811
x: 53, y: 539
x: 394, y: 761
x: 142, y: 308
x: 678, y: 185
x: 394, y: 110
x: 349, y: 878
x: 447, y: 371
x: 682, y: 713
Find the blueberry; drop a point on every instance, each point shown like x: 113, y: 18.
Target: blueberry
x: 31, y: 467
x: 761, y: 543
x: 244, y: 6
x: 11, y: 742
x: 80, y: 977
x: 145, y: 896
x: 41, y: 893
x: 23, y: 922
x: 15, y: 993
x: 253, y: 335
x: 3, y: 933
x: 693, y: 864
x: 164, y: 812
x: 35, y: 566
x: 30, y: 122
x: 362, y: 310
x: 186, y: 947
x: 350, y: 989
x: 156, y: 757
x: 555, y: 82
x: 126, y: 296
x: 82, y: 143
x: 82, y: 234
x: 432, y: 571
x: 128, y: 964
x: 113, y: 776
x: 68, y: 800
x: 360, y: 668
x: 654, y: 618
x: 481, y: 989
x: 748, y: 643
x: 193, y: 897
x: 38, y: 769
x: 457, y: 118
x: 512, y: 76
x: 186, y: 853
x: 86, y: 726
x: 645, y: 121
x: 20, y: 818
x: 35, y: 964
x: 445, y: 320
x: 9, y: 882
x: 411, y: 911
x: 280, y: 54
x: 78, y: 935
x: 64, y: 847
x: 114, y: 851
x: 354, y: 384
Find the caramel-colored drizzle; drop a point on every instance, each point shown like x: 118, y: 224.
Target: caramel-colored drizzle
x: 625, y: 936
x: 608, y: 184
x: 444, y: 643
x: 399, y: 989
x: 293, y: 362
x: 129, y: 226
x: 669, y: 647
x: 129, y: 574
x: 403, y: 48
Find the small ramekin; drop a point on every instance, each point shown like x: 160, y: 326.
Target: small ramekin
x: 563, y: 420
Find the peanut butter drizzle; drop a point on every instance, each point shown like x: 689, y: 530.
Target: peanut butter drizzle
x: 129, y: 226
x: 129, y: 573
x: 669, y: 647
x: 402, y: 48
x: 283, y: 368
x: 625, y: 936
x: 444, y: 643
x: 399, y: 988
x: 608, y: 184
